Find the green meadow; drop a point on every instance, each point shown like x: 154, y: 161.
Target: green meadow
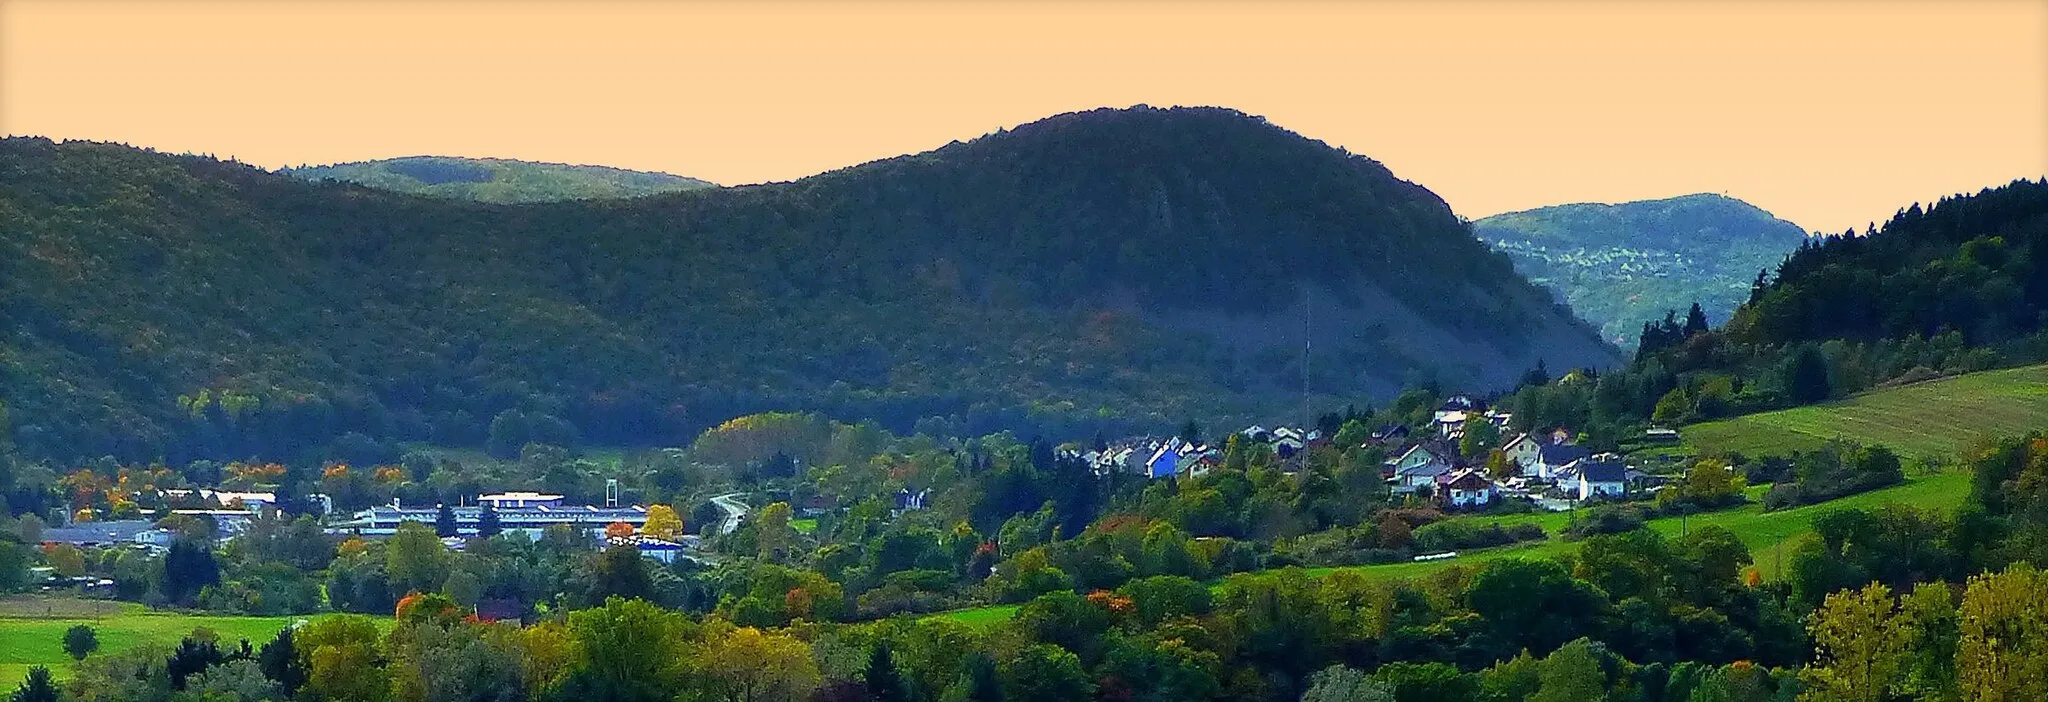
x: 32, y: 631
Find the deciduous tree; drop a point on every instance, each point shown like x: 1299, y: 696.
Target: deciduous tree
x: 748, y: 665
x: 663, y: 523
x: 2003, y: 653
x: 415, y: 560
x: 80, y: 641
x: 1860, y: 646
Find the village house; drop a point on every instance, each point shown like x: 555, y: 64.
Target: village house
x: 1602, y: 477
x: 1552, y: 458
x: 1390, y: 434
x: 1525, y: 451
x: 1465, y: 489
x: 1415, y: 468
x: 817, y: 505
x: 1450, y: 424
x: 1165, y: 460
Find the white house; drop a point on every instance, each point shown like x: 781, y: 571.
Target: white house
x: 1450, y: 423
x: 1551, y: 458
x: 1286, y: 446
x: 1466, y: 488
x: 1525, y: 450
x: 1590, y: 478
x: 1415, y: 468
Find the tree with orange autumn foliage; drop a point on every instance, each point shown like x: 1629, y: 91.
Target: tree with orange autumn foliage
x: 85, y: 487
x: 429, y: 608
x: 618, y: 530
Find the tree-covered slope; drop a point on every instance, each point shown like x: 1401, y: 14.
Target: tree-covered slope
x: 499, y: 180
x: 1975, y: 264
x: 1123, y: 267
x: 1622, y: 265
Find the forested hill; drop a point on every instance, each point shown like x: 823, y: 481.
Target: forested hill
x: 1973, y: 264
x: 1124, y: 267
x: 1622, y: 265
x: 499, y: 180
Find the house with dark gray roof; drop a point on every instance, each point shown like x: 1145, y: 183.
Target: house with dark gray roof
x: 1595, y: 477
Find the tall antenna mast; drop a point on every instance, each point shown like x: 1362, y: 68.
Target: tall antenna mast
x: 1308, y: 326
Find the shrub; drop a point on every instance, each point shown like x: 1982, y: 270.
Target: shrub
x: 1609, y: 519
x: 80, y: 641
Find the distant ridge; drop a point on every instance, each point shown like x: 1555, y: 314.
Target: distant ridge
x: 500, y: 180
x: 1620, y: 265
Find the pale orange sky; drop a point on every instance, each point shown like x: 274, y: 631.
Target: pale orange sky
x: 1828, y: 113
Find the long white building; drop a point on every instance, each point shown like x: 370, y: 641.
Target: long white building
x: 384, y: 520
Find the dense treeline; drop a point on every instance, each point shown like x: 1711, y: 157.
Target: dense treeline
x: 1971, y: 264
x: 181, y: 307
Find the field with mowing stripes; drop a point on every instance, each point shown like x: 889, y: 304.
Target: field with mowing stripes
x: 1936, y: 419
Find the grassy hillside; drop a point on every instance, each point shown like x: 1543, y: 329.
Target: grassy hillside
x: 1114, y: 269
x: 499, y: 180
x: 32, y: 631
x: 1937, y: 418
x: 1622, y: 265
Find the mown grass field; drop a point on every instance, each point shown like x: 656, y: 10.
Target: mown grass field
x: 32, y: 631
x: 1935, y: 419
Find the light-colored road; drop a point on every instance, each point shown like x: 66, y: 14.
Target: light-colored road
x: 734, y: 511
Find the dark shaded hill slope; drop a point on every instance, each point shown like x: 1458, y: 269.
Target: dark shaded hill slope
x: 1622, y: 265
x: 1120, y: 267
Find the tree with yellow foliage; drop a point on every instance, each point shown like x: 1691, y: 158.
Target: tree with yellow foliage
x: 663, y: 523
x: 748, y: 664
x: 2003, y: 654
x: 1860, y: 640
x: 772, y: 532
